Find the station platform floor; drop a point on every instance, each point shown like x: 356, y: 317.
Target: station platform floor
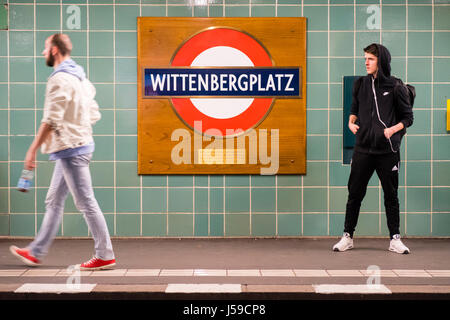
x: 238, y: 269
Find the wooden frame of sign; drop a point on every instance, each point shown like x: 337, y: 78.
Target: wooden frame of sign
x: 166, y: 145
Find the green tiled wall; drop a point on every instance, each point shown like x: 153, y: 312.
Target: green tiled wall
x: 417, y: 32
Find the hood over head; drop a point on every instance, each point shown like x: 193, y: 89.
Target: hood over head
x: 384, y: 65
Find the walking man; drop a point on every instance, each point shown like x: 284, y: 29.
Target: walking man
x: 66, y: 134
x: 380, y: 113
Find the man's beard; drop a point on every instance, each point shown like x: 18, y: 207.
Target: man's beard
x: 50, y: 60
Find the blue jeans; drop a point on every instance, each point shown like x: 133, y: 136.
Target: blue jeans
x: 72, y: 174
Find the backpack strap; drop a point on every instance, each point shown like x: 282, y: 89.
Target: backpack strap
x: 409, y: 88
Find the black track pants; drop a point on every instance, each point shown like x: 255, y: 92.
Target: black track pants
x: 362, y: 167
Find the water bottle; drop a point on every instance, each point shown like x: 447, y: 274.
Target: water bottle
x: 25, y: 180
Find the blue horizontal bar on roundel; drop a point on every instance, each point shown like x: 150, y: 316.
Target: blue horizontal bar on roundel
x: 222, y: 82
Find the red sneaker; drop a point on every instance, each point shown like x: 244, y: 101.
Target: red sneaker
x: 25, y: 256
x: 98, y: 264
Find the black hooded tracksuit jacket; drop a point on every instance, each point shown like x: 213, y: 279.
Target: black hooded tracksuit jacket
x: 379, y: 103
x: 393, y: 106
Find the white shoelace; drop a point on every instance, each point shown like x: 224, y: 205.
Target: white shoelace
x: 90, y: 262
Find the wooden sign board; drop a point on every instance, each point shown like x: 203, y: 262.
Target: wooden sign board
x: 221, y: 95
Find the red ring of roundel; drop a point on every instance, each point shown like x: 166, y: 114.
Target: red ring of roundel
x: 222, y: 37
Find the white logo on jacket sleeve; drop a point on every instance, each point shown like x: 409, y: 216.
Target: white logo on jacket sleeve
x: 385, y: 93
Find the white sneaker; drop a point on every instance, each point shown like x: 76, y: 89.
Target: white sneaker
x: 346, y: 243
x: 397, y: 245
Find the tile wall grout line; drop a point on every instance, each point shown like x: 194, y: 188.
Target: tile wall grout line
x: 328, y: 121
x: 302, y: 201
x: 243, y: 5
x: 308, y: 31
x: 193, y: 205
x: 276, y: 206
x: 167, y: 205
x: 250, y: 205
x: 209, y: 198
x: 379, y: 182
x: 8, y: 40
x: 36, y: 179
x: 114, y: 119
x: 255, y: 187
x: 406, y: 136
x: 260, y: 213
x: 381, y: 20
x: 301, y: 190
x: 431, y: 117
x: 354, y: 67
x: 310, y: 57
x: 224, y: 205
x: 354, y: 72
x: 167, y: 176
x: 88, y: 48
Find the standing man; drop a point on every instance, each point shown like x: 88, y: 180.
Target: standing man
x: 380, y: 113
x: 66, y: 134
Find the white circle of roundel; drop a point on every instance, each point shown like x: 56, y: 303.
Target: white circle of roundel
x: 222, y: 108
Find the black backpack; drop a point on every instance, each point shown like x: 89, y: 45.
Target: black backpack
x: 411, y: 90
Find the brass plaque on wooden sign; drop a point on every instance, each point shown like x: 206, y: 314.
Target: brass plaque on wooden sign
x: 221, y: 95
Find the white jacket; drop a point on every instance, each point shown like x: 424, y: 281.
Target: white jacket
x: 70, y: 109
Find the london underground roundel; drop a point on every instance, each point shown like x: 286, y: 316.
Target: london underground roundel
x: 223, y: 79
x: 222, y: 47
